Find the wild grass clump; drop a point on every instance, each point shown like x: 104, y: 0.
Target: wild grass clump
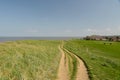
x: 29, y: 60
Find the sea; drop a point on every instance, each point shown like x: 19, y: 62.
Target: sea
x: 4, y: 39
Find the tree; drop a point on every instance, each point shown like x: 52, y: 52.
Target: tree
x: 117, y: 38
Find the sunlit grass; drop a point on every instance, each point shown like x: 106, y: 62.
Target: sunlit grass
x: 29, y: 60
x: 103, y: 61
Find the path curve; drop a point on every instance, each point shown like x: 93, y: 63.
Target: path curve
x: 82, y: 73
x: 62, y: 71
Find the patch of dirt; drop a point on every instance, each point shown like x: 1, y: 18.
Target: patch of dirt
x: 82, y: 73
x: 63, y: 68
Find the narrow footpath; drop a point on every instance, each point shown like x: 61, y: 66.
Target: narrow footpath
x: 81, y: 73
x: 62, y: 72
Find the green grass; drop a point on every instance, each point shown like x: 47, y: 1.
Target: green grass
x: 103, y: 61
x: 39, y: 59
x: 29, y: 60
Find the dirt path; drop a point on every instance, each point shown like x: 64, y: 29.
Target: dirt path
x: 82, y: 73
x: 63, y: 71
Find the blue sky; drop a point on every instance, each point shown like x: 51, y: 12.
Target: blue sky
x: 59, y: 17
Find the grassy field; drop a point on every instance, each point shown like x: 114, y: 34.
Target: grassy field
x: 29, y: 60
x: 103, y: 60
x: 39, y: 59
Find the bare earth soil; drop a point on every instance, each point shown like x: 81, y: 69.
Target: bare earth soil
x: 81, y: 74
x: 62, y: 72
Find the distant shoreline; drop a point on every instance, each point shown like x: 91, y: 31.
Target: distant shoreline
x: 2, y: 39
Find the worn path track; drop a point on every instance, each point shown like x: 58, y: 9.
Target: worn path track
x: 62, y: 71
x: 81, y: 73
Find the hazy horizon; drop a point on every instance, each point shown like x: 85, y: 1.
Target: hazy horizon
x: 59, y: 18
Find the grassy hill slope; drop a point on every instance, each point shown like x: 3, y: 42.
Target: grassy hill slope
x: 103, y: 60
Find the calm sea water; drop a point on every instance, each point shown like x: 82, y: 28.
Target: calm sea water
x: 2, y: 39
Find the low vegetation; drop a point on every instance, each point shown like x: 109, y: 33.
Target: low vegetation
x: 102, y: 60
x: 29, y: 60
x: 39, y: 59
